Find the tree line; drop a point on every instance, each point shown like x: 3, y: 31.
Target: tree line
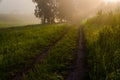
x: 52, y: 11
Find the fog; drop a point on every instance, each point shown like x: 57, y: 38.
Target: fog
x: 17, y: 12
x: 27, y: 6
x: 84, y: 8
x: 16, y: 6
x: 90, y: 7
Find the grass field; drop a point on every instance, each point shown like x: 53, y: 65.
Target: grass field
x: 46, y: 52
x: 8, y: 24
x: 13, y: 20
x: 54, y: 66
x: 19, y: 46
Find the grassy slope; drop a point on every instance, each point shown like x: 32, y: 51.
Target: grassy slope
x: 10, y: 20
x: 55, y: 65
x: 19, y: 46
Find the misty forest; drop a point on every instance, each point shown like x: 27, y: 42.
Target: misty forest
x: 59, y: 39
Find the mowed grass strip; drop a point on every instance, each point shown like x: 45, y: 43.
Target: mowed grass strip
x: 55, y: 65
x: 19, y: 47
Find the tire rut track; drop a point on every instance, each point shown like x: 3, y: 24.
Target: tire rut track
x: 78, y: 69
x: 39, y: 58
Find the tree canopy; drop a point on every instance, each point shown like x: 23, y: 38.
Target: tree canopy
x: 51, y: 11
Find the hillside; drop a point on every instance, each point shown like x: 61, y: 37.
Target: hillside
x: 7, y: 20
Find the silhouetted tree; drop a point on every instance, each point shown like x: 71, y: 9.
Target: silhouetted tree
x: 50, y: 10
x: 45, y: 10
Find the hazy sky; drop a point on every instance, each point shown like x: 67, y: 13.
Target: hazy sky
x: 27, y: 6
x: 17, y: 6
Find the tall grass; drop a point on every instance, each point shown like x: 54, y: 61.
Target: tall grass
x: 103, y: 46
x: 105, y: 18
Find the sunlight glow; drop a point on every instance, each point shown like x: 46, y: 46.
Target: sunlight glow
x: 111, y: 1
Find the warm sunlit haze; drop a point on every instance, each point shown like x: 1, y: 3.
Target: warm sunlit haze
x: 17, y: 12
x: 17, y: 6
x: 111, y: 1
x: 59, y: 39
x: 84, y: 8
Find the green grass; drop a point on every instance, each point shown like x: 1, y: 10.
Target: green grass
x: 55, y: 65
x: 9, y: 24
x: 19, y: 46
x: 6, y: 24
x: 102, y: 35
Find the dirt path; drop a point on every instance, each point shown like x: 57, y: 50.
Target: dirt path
x: 78, y: 69
x: 39, y: 58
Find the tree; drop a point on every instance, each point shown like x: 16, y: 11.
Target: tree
x: 45, y: 10
x: 50, y: 10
